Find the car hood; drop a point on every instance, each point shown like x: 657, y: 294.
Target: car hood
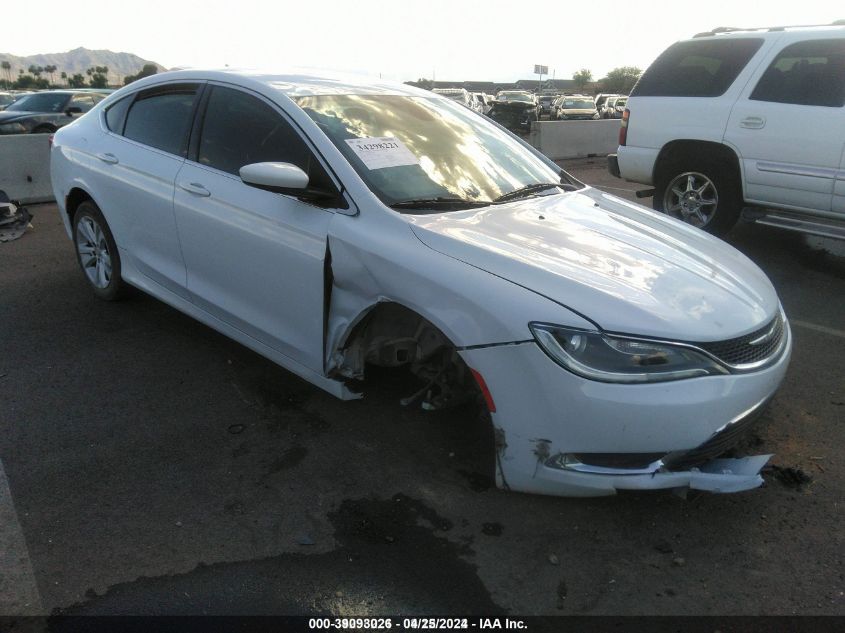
x: 625, y: 267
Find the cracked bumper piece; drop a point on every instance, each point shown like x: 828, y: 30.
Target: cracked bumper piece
x: 560, y: 434
x: 718, y: 475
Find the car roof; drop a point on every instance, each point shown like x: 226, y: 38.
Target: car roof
x: 292, y: 83
x: 789, y: 32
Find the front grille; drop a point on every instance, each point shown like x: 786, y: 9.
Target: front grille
x: 740, y: 351
x: 722, y: 441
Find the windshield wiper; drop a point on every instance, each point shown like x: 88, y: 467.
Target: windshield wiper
x: 441, y: 201
x: 527, y: 190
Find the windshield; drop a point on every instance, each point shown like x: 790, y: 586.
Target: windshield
x: 579, y: 104
x: 515, y: 96
x: 433, y: 149
x: 41, y: 102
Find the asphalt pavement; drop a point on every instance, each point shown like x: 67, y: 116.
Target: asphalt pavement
x: 153, y: 466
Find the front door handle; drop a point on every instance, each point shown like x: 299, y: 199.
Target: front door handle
x: 111, y: 159
x: 753, y: 122
x: 195, y: 188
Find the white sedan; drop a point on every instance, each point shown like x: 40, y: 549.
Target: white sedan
x: 331, y: 224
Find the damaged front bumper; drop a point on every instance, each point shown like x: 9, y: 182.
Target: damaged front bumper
x: 560, y: 434
x: 718, y: 475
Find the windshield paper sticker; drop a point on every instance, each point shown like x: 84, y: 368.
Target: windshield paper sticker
x: 378, y: 153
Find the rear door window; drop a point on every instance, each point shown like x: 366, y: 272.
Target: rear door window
x: 705, y: 68
x: 161, y: 117
x: 807, y: 73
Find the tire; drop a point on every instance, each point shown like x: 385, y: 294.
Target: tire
x: 710, y: 193
x: 96, y: 252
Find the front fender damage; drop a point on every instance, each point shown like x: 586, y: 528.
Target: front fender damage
x: 364, y: 326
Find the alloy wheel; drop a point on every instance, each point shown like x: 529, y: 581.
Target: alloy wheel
x: 93, y: 249
x: 692, y: 197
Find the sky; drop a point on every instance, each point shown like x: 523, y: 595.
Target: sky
x: 403, y: 40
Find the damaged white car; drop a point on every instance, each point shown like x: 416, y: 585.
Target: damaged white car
x: 329, y: 224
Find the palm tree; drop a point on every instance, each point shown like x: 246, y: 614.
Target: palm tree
x: 50, y: 70
x: 64, y: 77
x: 7, y: 66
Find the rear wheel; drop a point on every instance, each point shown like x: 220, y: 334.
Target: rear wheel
x: 702, y: 192
x: 96, y: 252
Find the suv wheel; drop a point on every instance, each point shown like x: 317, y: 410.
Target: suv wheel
x: 703, y: 193
x: 96, y: 252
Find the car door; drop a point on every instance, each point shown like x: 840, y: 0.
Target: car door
x: 254, y: 258
x: 135, y: 167
x: 838, y: 205
x: 789, y: 126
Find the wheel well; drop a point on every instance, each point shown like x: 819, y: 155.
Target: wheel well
x: 391, y: 335
x: 682, y: 149
x: 76, y: 197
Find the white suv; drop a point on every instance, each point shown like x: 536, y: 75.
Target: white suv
x: 749, y: 119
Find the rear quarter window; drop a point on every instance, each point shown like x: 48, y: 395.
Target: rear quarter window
x: 116, y: 114
x: 704, y: 68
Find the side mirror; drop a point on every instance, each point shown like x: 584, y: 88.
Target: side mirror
x: 281, y: 178
x: 73, y: 110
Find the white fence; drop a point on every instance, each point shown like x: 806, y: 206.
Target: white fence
x: 575, y: 139
x: 25, y: 167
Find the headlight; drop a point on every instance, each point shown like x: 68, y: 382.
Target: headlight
x: 606, y: 358
x: 13, y: 128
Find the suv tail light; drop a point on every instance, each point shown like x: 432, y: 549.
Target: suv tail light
x: 50, y: 140
x: 623, y: 128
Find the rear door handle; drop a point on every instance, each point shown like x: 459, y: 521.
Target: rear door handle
x: 195, y: 188
x: 753, y: 122
x: 111, y: 159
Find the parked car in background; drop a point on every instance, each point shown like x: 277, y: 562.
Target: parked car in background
x: 484, y: 101
x: 45, y: 112
x: 743, y: 122
x: 610, y: 347
x: 6, y: 99
x: 613, y: 108
x: 546, y: 104
x: 619, y: 107
x: 459, y: 95
x: 601, y: 98
x: 515, y: 109
x: 576, y: 107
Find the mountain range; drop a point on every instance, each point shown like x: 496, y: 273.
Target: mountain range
x: 80, y: 59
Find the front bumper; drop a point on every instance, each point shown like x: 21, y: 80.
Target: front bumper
x: 544, y: 412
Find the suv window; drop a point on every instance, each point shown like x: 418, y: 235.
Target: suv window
x: 161, y: 117
x: 240, y: 129
x: 697, y: 68
x: 806, y: 73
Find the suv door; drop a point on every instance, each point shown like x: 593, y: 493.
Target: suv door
x: 136, y: 166
x: 789, y: 126
x: 254, y: 258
